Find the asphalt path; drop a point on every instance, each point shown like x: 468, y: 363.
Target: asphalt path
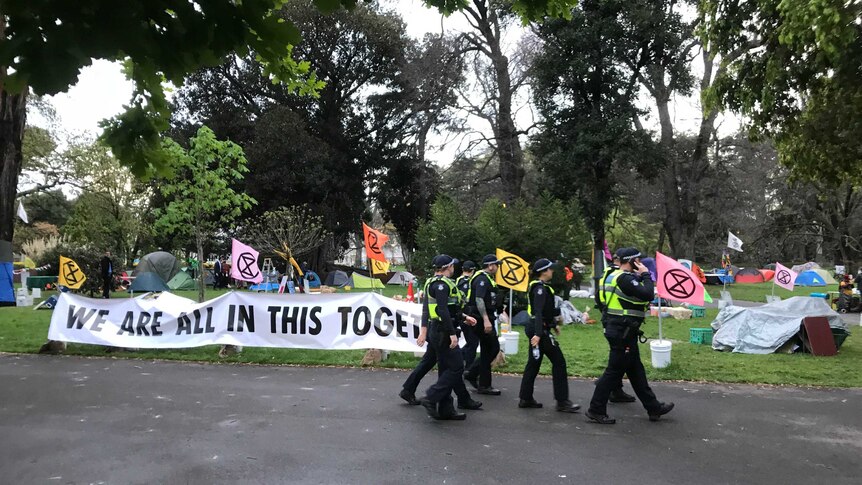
x: 77, y: 420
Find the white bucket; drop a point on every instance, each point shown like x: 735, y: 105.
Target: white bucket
x: 660, y: 350
x: 37, y: 292
x: 509, y: 342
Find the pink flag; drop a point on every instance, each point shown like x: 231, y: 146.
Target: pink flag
x: 244, y: 263
x: 676, y: 282
x: 784, y: 276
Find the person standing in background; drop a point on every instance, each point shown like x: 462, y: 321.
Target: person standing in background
x: 107, y: 270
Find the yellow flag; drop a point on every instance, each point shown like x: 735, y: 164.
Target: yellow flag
x: 379, y: 267
x: 513, y: 271
x: 71, y: 276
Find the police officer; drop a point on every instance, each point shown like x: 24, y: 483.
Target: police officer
x: 470, y: 336
x: 544, y: 316
x: 429, y: 360
x: 628, y: 292
x: 482, y: 301
x: 618, y: 395
x: 441, y: 297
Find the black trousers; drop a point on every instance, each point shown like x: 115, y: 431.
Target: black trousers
x: 450, y: 369
x: 429, y: 360
x: 481, y: 367
x: 624, y: 359
x: 551, y: 348
x: 469, y: 348
x: 107, y: 282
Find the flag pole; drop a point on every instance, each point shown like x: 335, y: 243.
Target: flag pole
x: 660, y: 336
x: 510, y: 309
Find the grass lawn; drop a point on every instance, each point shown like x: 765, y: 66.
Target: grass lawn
x: 757, y: 291
x: 24, y: 330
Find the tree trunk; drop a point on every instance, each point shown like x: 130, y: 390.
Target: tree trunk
x: 13, y: 117
x: 201, y: 279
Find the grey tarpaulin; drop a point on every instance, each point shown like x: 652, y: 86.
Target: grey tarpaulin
x: 763, y: 329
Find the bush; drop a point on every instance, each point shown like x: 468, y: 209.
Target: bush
x: 88, y: 260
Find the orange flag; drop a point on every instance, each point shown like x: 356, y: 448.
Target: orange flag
x: 374, y: 241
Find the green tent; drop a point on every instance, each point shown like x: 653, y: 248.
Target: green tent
x: 182, y: 281
x: 363, y: 282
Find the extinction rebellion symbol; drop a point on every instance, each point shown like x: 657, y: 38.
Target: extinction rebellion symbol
x: 70, y: 273
x: 372, y: 243
x: 512, y: 271
x: 679, y: 284
x: 247, y: 266
x: 783, y: 277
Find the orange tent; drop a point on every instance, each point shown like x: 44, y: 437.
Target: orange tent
x: 768, y: 274
x: 699, y: 272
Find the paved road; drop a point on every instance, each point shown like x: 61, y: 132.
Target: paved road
x: 75, y: 420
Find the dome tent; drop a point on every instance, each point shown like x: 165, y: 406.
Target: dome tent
x: 165, y: 265
x: 148, y: 282
x: 809, y: 278
x: 182, y: 281
x: 337, y: 279
x: 749, y: 275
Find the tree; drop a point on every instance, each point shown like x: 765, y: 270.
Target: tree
x: 288, y: 232
x: 584, y: 90
x: 792, y: 68
x: 202, y: 200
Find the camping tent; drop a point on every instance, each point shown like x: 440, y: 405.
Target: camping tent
x: 182, y: 281
x: 337, y: 279
x: 165, y: 265
x: 749, y: 275
x: 313, y: 279
x: 148, y: 281
x: 763, y: 329
x: 363, y: 282
x: 810, y: 278
x: 799, y: 268
x: 768, y: 274
x: 7, y: 288
x: 826, y: 276
x: 401, y: 278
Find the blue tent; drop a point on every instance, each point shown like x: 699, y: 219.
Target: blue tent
x: 7, y: 289
x: 148, y: 282
x: 809, y: 278
x: 313, y: 279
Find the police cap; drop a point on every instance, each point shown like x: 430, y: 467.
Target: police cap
x: 627, y: 255
x: 541, y: 265
x: 443, y: 260
x: 468, y: 266
x: 490, y: 259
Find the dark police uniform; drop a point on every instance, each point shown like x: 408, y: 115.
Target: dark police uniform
x: 471, y: 337
x: 429, y: 360
x: 484, y: 288
x: 450, y: 363
x: 618, y: 395
x: 544, y: 313
x: 627, y: 296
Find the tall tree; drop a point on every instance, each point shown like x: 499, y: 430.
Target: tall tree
x: 792, y: 68
x: 202, y: 199
x: 585, y: 93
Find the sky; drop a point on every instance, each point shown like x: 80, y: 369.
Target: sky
x: 102, y: 90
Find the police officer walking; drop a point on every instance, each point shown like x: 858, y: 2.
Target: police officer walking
x: 441, y: 297
x: 429, y: 360
x: 482, y: 301
x: 627, y: 292
x: 470, y: 336
x: 618, y: 395
x: 544, y: 316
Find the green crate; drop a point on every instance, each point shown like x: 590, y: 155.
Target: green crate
x: 697, y: 311
x: 700, y: 336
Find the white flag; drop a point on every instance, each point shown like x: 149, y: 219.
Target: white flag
x: 734, y: 242
x: 22, y: 213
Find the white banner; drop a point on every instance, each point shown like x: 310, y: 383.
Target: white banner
x: 329, y: 321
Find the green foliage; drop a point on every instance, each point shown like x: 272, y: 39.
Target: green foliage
x: 549, y: 229
x: 88, y: 259
x: 792, y: 68
x: 201, y: 197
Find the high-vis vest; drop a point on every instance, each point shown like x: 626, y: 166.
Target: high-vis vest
x: 530, y: 292
x: 455, y: 298
x: 613, y: 297
x: 477, y: 273
x: 608, y: 271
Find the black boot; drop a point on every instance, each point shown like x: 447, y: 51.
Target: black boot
x: 620, y: 396
x: 489, y: 391
x: 567, y: 406
x: 472, y: 405
x: 456, y: 416
x: 409, y: 397
x: 600, y: 418
x: 430, y: 407
x: 662, y: 410
x: 531, y: 403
